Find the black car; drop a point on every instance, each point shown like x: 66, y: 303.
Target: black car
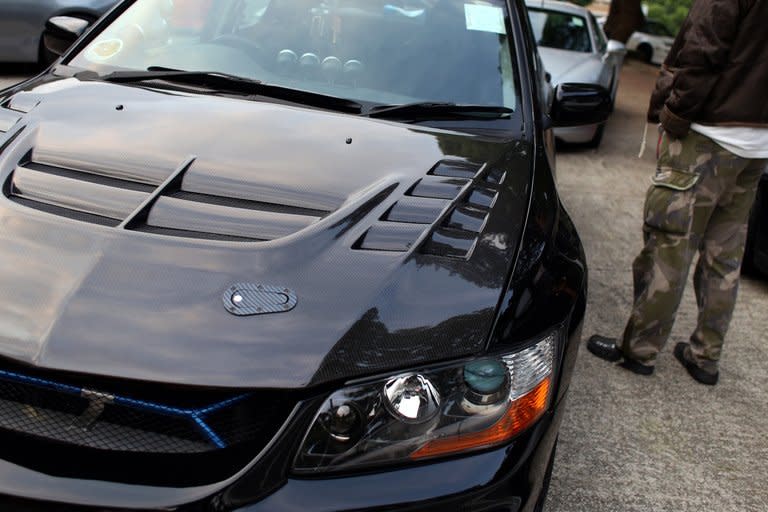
x: 756, y: 255
x: 287, y: 255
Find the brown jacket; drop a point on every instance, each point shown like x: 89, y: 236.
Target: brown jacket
x: 717, y: 70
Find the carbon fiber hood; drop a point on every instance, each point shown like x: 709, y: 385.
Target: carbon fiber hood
x: 129, y: 214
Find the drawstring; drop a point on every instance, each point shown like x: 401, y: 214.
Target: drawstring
x: 643, y: 145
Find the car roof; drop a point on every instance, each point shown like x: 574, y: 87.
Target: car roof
x: 554, y: 5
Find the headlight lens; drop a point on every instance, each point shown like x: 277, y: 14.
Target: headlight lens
x: 419, y: 415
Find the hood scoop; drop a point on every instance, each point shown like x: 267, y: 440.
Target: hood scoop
x: 173, y: 207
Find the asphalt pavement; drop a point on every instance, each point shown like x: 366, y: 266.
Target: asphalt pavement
x: 660, y: 443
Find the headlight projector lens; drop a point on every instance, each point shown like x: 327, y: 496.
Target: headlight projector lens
x: 412, y: 398
x: 487, y: 381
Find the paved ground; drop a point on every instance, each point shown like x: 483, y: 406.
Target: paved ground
x: 663, y: 443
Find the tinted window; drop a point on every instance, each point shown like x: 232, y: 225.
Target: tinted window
x: 656, y: 29
x: 560, y: 30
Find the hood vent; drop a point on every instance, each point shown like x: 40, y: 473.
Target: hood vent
x: 168, y: 209
x: 12, y: 111
x: 447, y: 210
x: 8, y: 119
x: 75, y: 194
x: 23, y: 102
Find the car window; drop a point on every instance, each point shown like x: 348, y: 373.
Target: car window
x: 658, y: 29
x: 602, y: 44
x: 381, y: 51
x: 560, y: 30
x: 654, y: 28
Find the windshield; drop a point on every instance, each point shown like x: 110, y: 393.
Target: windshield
x: 380, y: 51
x: 560, y: 30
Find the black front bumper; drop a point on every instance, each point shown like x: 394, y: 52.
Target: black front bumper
x: 506, y: 479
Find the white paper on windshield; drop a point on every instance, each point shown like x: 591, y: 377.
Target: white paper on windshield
x: 578, y: 22
x: 485, y: 18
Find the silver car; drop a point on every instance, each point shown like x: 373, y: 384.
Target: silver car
x: 22, y: 23
x: 574, y: 49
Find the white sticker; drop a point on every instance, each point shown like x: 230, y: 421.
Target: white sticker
x: 577, y: 22
x: 485, y: 18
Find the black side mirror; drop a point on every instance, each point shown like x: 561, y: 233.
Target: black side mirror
x: 61, y: 32
x: 580, y: 104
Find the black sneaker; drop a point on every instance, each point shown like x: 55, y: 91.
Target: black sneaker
x: 606, y: 348
x: 698, y: 374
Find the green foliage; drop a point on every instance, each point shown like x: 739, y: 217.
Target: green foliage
x: 671, y: 13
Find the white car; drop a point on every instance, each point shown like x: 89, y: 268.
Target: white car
x: 652, y: 42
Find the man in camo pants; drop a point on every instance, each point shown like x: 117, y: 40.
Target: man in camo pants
x: 711, y: 100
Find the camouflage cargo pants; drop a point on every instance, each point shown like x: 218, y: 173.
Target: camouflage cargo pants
x: 699, y: 200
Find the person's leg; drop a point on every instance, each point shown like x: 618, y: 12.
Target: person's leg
x: 659, y: 272
x: 717, y: 273
x: 678, y: 205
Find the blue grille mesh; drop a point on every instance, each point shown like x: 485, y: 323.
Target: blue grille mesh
x: 59, y: 411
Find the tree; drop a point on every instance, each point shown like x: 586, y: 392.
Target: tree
x: 671, y: 13
x: 624, y: 17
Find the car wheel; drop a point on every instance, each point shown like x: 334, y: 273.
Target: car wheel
x: 614, y: 92
x: 748, y: 263
x: 547, y: 480
x: 598, y: 138
x: 646, y: 52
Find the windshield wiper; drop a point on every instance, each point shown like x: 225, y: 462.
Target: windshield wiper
x: 433, y: 109
x: 232, y: 83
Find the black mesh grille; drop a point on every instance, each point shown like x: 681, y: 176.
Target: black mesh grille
x: 186, y: 441
x: 76, y: 420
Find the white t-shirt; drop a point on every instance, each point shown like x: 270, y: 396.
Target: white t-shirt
x: 742, y: 141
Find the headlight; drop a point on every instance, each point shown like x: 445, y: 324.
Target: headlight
x: 431, y: 413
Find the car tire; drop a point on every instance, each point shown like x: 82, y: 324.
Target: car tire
x: 646, y: 52
x: 547, y: 480
x: 598, y: 138
x: 748, y: 263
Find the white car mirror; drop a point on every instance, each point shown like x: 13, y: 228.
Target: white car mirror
x: 616, y: 47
